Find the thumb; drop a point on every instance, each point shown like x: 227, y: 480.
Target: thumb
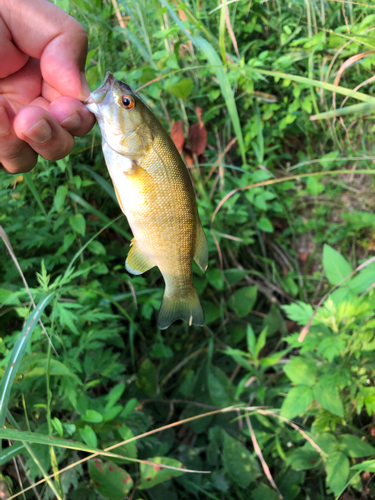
x: 63, y: 62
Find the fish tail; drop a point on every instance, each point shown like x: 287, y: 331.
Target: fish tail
x: 186, y: 307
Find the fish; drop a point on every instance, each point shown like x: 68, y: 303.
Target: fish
x: 155, y: 192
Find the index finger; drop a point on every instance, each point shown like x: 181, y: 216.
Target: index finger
x: 46, y: 32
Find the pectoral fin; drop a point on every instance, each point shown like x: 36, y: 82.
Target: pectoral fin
x: 137, y: 262
x: 201, y: 249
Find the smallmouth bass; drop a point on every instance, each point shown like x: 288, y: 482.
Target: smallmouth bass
x: 154, y: 191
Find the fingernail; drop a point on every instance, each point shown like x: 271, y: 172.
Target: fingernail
x: 73, y: 121
x: 4, y: 120
x: 40, y: 132
x: 85, y: 86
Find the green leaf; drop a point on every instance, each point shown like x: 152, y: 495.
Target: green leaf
x: 243, y: 300
x: 301, y: 371
x: 363, y: 280
x: 30, y: 183
x: 37, y: 438
x: 89, y: 436
x: 299, y: 312
x: 368, y: 465
x: 129, y: 450
x: 92, y: 416
x: 10, y: 452
x: 265, y: 225
x: 261, y: 342
x: 220, y: 388
x: 17, y: 353
x: 239, y: 462
x: 335, y: 266
x: 215, y: 278
x: 115, y: 394
x: 326, y: 441
x: 264, y: 492
x: 296, y: 401
x: 151, y: 474
x: 337, y: 471
x: 110, y: 480
x: 314, y: 187
x: 303, y: 459
x: 58, y: 426
x: 60, y: 197
x: 233, y: 276
x: 251, y: 340
x: 358, y: 109
x: 181, y: 89
x: 78, y: 224
x: 355, y: 447
x: 329, y: 398
x: 106, y: 186
x: 96, y: 248
x: 146, y: 378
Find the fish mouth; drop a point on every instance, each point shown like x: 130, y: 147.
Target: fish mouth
x: 98, y: 95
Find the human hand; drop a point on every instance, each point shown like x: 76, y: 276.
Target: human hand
x: 42, y: 60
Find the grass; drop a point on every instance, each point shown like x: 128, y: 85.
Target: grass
x: 274, y: 397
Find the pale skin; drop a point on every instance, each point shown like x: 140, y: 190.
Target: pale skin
x: 42, y: 59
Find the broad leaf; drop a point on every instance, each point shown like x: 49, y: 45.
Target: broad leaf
x: 296, y: 401
x: 220, y: 388
x: 146, y: 380
x: 337, y: 471
x: 329, y: 398
x: 110, y: 480
x: 355, y: 447
x: 152, y: 474
x: 243, y: 300
x: 239, y: 462
x: 301, y: 371
x: 335, y: 265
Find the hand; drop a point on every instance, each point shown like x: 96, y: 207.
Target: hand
x: 42, y: 60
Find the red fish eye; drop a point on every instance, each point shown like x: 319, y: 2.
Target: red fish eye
x: 127, y: 102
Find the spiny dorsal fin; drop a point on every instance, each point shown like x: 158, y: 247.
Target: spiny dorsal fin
x: 137, y: 262
x: 201, y: 249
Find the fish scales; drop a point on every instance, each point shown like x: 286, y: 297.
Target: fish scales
x: 155, y: 192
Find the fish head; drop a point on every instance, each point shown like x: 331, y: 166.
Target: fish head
x: 125, y: 121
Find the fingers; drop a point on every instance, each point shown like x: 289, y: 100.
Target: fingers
x: 16, y: 156
x: 12, y: 59
x: 43, y: 133
x: 45, y: 32
x: 72, y: 115
x: 36, y: 131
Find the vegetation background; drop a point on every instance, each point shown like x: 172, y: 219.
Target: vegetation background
x: 281, y: 401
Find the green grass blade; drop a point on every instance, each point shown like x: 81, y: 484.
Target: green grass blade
x: 213, y: 58
x: 75, y: 197
x: 356, y: 108
x: 17, y: 354
x: 11, y: 452
x: 36, y: 438
x: 316, y: 83
x: 102, y: 182
x: 30, y: 184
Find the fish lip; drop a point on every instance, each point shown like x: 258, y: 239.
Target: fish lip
x: 98, y: 95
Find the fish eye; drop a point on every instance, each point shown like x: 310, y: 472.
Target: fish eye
x: 127, y: 101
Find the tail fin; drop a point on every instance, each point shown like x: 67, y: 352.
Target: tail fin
x: 187, y: 308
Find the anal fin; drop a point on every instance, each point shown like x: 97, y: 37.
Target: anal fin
x: 137, y: 262
x: 201, y: 248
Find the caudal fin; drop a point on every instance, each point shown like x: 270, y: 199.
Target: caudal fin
x: 187, y: 308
